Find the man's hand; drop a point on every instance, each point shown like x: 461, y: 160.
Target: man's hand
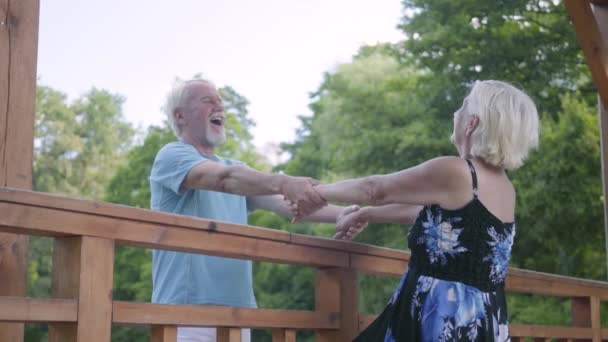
x: 302, y: 198
x: 350, y: 223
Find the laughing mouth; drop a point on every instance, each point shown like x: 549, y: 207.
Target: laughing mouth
x: 217, y: 120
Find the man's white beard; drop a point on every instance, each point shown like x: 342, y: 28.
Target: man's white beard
x: 216, y: 139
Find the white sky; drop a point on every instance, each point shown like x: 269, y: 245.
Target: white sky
x: 273, y: 52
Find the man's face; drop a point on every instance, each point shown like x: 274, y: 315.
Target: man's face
x: 203, y: 115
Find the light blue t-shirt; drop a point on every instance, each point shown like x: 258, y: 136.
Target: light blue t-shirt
x: 184, y: 278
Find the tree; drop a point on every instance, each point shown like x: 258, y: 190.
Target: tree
x: 527, y: 42
x: 78, y: 145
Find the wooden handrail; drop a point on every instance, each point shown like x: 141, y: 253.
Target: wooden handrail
x: 86, y: 232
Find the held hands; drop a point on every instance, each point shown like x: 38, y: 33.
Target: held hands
x: 350, y: 223
x: 301, y: 197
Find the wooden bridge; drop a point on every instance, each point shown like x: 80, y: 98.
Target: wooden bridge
x: 86, y: 233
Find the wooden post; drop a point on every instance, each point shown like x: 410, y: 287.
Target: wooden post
x: 229, y: 334
x: 83, y: 269
x: 603, y: 121
x: 164, y: 333
x: 283, y: 335
x: 18, y: 55
x: 336, y: 291
x: 586, y: 313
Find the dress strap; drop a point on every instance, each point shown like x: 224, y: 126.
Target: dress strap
x: 473, y: 176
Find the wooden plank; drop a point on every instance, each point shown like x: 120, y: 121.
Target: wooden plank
x: 596, y: 325
x: 39, y: 220
x: 336, y: 288
x: 548, y: 284
x: 5, y: 58
x: 593, y: 45
x: 283, y: 335
x: 229, y: 334
x: 327, y: 299
x: 21, y: 309
x: 164, y: 333
x: 22, y: 25
x: 603, y: 122
x: 83, y: 269
x: 220, y: 316
x: 349, y: 246
x: 95, y: 293
x: 581, y: 311
x: 18, y: 54
x: 377, y: 265
x: 55, y: 201
x: 50, y: 221
x: 547, y: 331
x: 65, y: 282
x: 13, y: 278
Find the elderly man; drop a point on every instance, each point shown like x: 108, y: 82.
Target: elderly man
x: 188, y: 178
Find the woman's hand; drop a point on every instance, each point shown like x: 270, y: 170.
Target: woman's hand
x: 350, y: 223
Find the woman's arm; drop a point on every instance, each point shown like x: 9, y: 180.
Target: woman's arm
x: 437, y: 181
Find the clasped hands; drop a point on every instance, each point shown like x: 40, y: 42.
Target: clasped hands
x: 304, y: 200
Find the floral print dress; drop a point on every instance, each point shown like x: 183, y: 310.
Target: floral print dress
x: 454, y: 287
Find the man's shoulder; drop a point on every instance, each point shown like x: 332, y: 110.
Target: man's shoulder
x: 229, y: 161
x: 172, y: 149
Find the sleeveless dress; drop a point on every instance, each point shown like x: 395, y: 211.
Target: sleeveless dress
x: 453, y: 289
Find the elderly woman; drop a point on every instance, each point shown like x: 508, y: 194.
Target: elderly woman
x: 463, y: 215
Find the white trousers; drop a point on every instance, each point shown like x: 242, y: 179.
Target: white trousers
x: 205, y: 335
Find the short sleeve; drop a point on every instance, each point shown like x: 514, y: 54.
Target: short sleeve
x: 173, y: 163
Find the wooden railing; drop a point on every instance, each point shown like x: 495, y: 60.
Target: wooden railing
x: 86, y: 233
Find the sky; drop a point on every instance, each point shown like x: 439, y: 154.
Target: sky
x: 273, y: 52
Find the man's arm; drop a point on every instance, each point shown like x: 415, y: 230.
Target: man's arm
x: 242, y: 180
x: 276, y: 204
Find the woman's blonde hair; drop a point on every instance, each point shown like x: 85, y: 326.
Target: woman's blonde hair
x: 508, y: 124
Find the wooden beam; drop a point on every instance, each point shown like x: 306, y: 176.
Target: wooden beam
x: 220, y: 316
x: 53, y: 201
x: 588, y: 21
x: 336, y: 290
x: 603, y: 122
x: 229, y: 334
x: 37, y: 220
x: 83, y: 269
x: 164, y: 333
x: 21, y: 309
x: 547, y: 331
x: 18, y: 55
x: 283, y: 335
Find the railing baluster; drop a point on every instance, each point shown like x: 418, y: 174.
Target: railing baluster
x: 283, y: 335
x: 229, y: 334
x: 336, y: 291
x: 83, y: 269
x: 164, y: 333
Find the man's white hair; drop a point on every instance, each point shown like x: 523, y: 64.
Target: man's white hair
x: 177, y: 98
x: 508, y: 124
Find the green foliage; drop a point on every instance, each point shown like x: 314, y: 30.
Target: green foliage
x: 560, y: 204
x: 527, y: 42
x: 78, y: 145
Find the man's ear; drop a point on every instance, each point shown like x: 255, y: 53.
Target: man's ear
x: 472, y: 125
x: 178, y: 116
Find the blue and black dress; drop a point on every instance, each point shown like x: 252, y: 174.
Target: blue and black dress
x: 454, y: 287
